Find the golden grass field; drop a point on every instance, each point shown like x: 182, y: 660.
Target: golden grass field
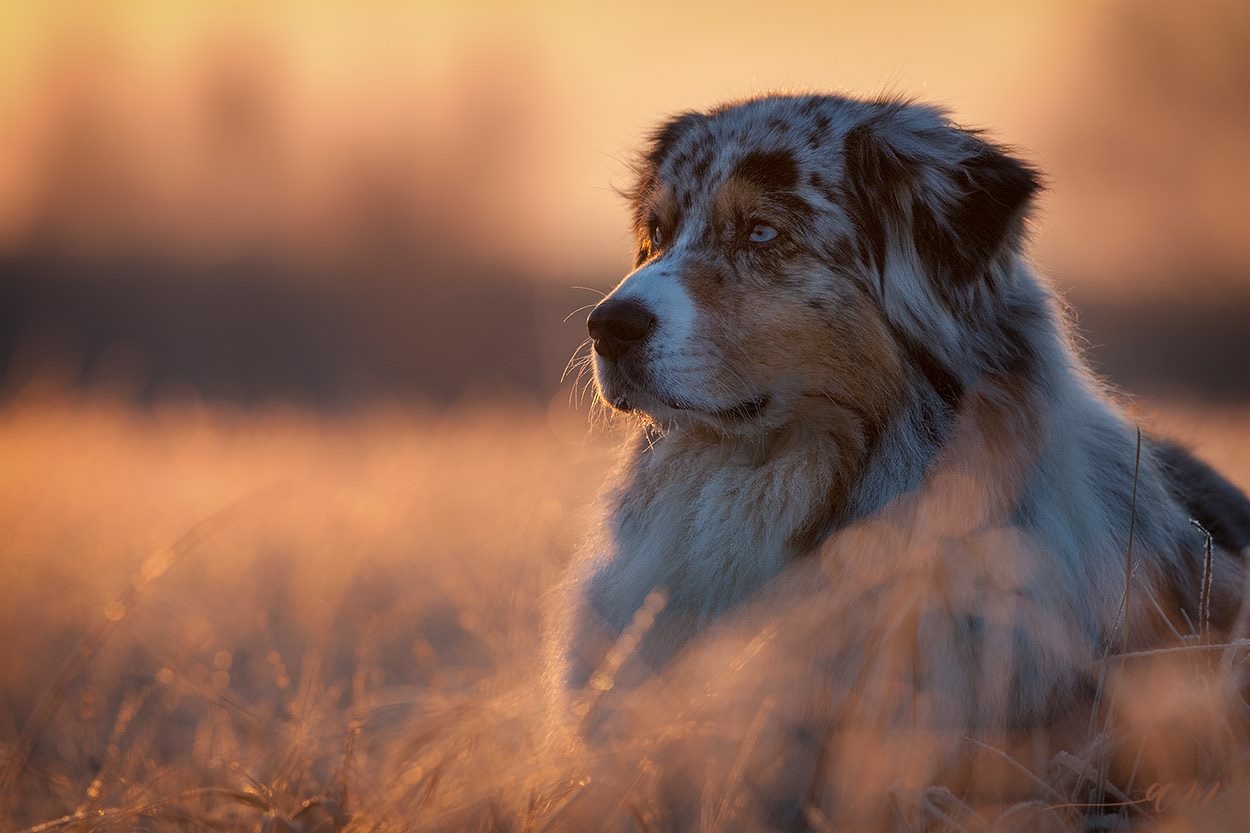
x: 225, y: 620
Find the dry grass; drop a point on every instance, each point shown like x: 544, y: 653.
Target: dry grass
x: 226, y: 621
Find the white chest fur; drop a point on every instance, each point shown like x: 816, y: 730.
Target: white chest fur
x: 705, y: 523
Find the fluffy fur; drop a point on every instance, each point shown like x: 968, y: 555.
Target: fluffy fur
x: 842, y: 363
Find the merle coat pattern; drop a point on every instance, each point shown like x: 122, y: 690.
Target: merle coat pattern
x: 838, y: 354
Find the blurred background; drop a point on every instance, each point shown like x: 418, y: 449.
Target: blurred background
x: 333, y: 205
x: 286, y: 290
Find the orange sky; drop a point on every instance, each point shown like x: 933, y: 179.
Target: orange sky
x: 594, y: 78
x: 524, y: 112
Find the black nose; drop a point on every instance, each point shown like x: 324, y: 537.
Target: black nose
x: 616, y: 325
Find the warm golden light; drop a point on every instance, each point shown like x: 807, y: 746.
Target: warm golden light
x: 288, y: 472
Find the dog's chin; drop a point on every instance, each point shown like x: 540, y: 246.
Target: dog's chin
x: 669, y: 412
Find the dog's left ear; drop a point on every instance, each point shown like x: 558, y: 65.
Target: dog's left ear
x: 958, y: 232
x: 960, y: 199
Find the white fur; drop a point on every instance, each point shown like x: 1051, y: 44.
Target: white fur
x: 657, y: 286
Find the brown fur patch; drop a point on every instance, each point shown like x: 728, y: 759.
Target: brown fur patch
x: 661, y: 207
x: 841, y: 351
x: 705, y: 282
x: 842, y: 356
x: 857, y: 371
x: 735, y: 200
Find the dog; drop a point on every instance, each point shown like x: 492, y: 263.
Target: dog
x: 843, y: 367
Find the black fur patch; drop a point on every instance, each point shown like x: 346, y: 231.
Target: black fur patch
x: 769, y: 169
x: 1210, y: 499
x: 944, y: 381
x: 995, y: 191
x: 875, y: 179
x: 1015, y: 360
x: 701, y: 164
x: 934, y: 419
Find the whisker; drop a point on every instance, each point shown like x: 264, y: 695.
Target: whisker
x: 573, y: 359
x: 577, y: 391
x: 579, y: 309
x: 584, y: 390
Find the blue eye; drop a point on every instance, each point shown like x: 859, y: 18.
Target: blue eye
x: 762, y: 233
x: 656, y: 235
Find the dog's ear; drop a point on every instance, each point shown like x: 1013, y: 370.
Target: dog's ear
x: 958, y: 198
x: 959, y: 235
x: 665, y: 137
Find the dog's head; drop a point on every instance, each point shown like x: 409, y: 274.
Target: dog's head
x: 801, y: 255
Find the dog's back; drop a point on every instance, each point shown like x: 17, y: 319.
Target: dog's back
x: 1221, y: 508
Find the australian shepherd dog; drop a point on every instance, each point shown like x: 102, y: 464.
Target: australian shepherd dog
x: 863, y: 432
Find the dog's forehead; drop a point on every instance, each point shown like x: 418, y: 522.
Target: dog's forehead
x: 779, y: 137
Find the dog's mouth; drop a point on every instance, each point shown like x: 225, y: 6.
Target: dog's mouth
x: 624, y: 391
x: 740, y: 412
x: 734, y: 413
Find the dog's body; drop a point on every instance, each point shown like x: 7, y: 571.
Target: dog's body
x: 843, y: 359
